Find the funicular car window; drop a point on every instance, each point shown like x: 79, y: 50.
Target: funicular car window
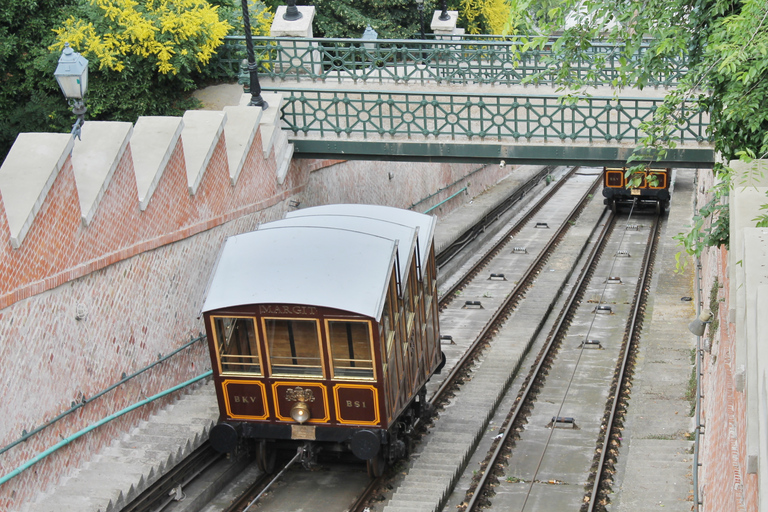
x: 350, y: 348
x: 236, y: 344
x: 294, y: 347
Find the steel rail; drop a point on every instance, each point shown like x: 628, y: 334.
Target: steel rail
x: 359, y: 504
x: 448, y: 253
x: 160, y: 493
x: 536, y: 371
x: 238, y: 504
x: 503, y: 241
x: 513, y: 296
x: 299, y: 454
x: 620, y: 378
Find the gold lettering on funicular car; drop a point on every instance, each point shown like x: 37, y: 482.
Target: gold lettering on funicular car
x: 245, y: 399
x: 287, y: 310
x: 299, y: 394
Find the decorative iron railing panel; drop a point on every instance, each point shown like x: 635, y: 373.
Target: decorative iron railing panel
x: 465, y: 61
x: 501, y: 117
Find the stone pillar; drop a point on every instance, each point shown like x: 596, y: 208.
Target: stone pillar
x: 446, y: 29
x: 295, y: 56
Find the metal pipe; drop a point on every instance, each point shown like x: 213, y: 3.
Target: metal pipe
x: 697, y: 432
x: 84, y: 401
x: 447, y: 199
x: 463, y: 178
x: 40, y: 456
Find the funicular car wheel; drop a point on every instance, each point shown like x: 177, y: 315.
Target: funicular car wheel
x: 376, y: 465
x: 266, y: 454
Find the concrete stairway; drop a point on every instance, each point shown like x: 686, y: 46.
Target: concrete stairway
x: 120, y: 472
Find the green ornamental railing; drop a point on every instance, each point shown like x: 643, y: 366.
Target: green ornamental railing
x: 468, y: 60
x: 501, y: 117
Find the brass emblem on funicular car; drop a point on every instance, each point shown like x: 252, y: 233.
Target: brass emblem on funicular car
x: 299, y: 394
x: 300, y: 410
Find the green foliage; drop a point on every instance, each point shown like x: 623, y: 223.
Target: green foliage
x: 396, y: 19
x: 136, y: 47
x: 725, y: 43
x: 486, y: 16
x: 144, y: 58
x: 175, y: 37
x: 29, y: 96
x: 710, y: 223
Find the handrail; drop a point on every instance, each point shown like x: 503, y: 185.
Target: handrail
x: 40, y: 456
x: 464, y: 189
x: 443, y: 60
x: 84, y: 400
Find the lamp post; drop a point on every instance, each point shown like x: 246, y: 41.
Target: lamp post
x: 254, y: 87
x: 444, y: 16
x: 420, y: 6
x: 72, y: 76
x: 291, y: 12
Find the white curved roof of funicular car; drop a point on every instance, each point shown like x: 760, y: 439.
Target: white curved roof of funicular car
x: 425, y: 223
x: 404, y: 235
x: 303, y: 265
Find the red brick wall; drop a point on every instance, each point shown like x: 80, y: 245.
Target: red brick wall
x: 725, y: 484
x: 140, y: 276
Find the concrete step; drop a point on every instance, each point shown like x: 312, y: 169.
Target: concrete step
x: 122, y: 470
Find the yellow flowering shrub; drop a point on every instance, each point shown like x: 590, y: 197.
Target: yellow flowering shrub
x: 178, y: 34
x: 486, y: 16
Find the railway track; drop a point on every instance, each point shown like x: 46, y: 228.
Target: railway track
x: 540, y: 252
x: 518, y: 474
x: 495, y: 294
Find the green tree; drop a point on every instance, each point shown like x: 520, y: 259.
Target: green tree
x: 392, y: 19
x: 30, y: 100
x: 725, y: 43
x: 133, y: 47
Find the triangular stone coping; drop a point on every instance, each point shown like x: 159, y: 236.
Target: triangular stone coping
x: 269, y: 118
x: 201, y: 132
x: 94, y: 160
x: 242, y: 125
x: 26, y: 176
x: 152, y: 144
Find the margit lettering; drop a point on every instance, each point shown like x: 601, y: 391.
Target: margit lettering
x: 288, y: 310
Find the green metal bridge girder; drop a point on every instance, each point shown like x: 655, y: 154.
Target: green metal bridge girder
x: 413, y: 151
x: 455, y: 126
x: 388, y: 100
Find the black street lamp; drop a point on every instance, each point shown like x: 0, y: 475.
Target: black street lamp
x: 444, y: 16
x: 72, y: 75
x: 291, y: 12
x: 254, y: 87
x: 420, y: 6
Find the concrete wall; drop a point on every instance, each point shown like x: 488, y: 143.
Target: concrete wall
x: 735, y: 284
x: 105, y: 251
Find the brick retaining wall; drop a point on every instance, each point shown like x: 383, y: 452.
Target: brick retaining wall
x: 138, y: 278
x: 724, y: 482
